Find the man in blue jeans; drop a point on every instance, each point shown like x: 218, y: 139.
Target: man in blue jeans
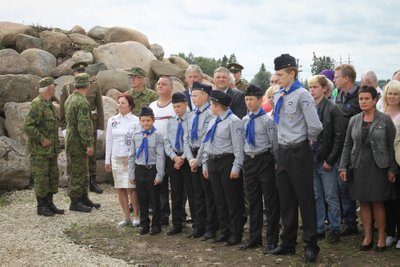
x: 326, y: 152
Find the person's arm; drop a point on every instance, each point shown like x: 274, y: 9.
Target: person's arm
x: 241, y: 108
x: 339, y: 131
x: 236, y: 128
x: 167, y: 144
x: 314, y: 125
x: 391, y: 133
x: 347, y: 147
x: 63, y: 98
x: 32, y: 120
x: 397, y: 145
x: 160, y: 159
x: 109, y: 142
x: 85, y: 128
x: 272, y: 133
x: 131, y: 161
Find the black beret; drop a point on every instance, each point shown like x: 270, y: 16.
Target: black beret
x: 234, y: 67
x: 79, y: 66
x: 202, y: 87
x: 253, y: 90
x: 146, y: 111
x: 284, y: 61
x: 178, y: 97
x: 221, y: 97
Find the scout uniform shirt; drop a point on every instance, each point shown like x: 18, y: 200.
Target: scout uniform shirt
x: 170, y: 138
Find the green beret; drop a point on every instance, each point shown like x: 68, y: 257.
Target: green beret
x: 234, y: 67
x: 46, y: 81
x: 82, y: 80
x: 79, y: 66
x: 136, y: 71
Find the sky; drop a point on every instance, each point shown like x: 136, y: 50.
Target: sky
x: 365, y: 32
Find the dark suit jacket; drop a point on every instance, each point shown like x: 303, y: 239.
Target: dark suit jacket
x: 187, y: 93
x: 238, y: 105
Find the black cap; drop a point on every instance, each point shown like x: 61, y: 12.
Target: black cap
x: 79, y: 67
x: 253, y: 90
x: 284, y: 61
x: 146, y: 111
x: 178, y: 97
x: 234, y: 67
x: 202, y: 87
x: 221, y: 97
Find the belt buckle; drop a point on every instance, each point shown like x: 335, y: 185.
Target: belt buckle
x: 148, y: 166
x: 252, y: 156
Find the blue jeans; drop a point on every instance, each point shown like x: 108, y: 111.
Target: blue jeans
x: 326, y: 190
x: 349, y: 207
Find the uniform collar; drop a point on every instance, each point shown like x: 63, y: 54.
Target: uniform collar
x: 129, y: 115
x: 183, y: 117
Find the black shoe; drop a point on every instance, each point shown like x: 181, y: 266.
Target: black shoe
x: 349, y: 230
x: 144, y: 230
x: 368, y: 246
x: 233, y: 240
x: 174, y: 230
x: 42, y: 208
x: 78, y: 205
x: 379, y: 249
x: 310, y: 253
x: 155, y: 230
x: 207, y: 236
x: 52, y: 207
x: 196, y: 234
x: 270, y: 248
x: 250, y: 244
x: 283, y: 250
x: 85, y: 200
x: 93, y: 186
x: 333, y: 237
x: 321, y: 235
x: 220, y: 238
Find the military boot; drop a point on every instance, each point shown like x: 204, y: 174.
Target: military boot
x: 77, y: 205
x: 42, y: 208
x: 93, y: 186
x: 85, y: 200
x: 50, y: 204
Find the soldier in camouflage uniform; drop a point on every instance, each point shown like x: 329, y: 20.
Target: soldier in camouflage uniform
x: 142, y: 96
x: 97, y: 113
x: 79, y: 144
x: 41, y: 127
x: 236, y: 70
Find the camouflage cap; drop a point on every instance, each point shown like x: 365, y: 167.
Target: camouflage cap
x: 82, y: 80
x: 46, y: 81
x: 136, y: 71
x: 79, y: 66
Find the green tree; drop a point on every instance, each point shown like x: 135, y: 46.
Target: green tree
x: 262, y: 78
x: 224, y: 61
x: 321, y: 63
x: 232, y: 59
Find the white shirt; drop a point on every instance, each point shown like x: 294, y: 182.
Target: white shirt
x: 120, y: 130
x: 162, y: 115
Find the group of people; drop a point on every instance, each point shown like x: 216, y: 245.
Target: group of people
x: 233, y: 154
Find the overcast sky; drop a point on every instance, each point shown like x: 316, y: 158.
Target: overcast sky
x: 256, y: 31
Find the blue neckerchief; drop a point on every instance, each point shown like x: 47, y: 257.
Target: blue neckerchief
x: 179, y: 135
x: 296, y: 85
x: 194, y: 136
x: 145, y: 144
x: 250, y: 135
x: 211, y: 132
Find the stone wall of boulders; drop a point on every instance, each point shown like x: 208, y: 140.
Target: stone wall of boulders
x: 28, y: 53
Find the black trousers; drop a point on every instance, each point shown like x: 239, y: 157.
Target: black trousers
x: 177, y: 179
x: 164, y: 198
x: 393, y: 213
x: 259, y: 177
x: 147, y: 193
x: 228, y: 195
x: 296, y: 189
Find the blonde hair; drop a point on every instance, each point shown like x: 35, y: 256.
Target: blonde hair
x: 271, y: 90
x: 323, y: 81
x: 393, y: 85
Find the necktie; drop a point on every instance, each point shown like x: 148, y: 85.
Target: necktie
x: 179, y: 135
x: 194, y: 136
x: 210, y: 134
x: 250, y: 135
x: 145, y: 145
x: 296, y: 85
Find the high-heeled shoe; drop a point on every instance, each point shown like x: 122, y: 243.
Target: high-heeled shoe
x: 367, y: 247
x: 379, y: 249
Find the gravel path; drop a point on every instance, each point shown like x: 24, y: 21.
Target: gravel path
x: 29, y: 239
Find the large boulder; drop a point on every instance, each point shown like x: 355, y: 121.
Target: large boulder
x: 110, y: 109
x: 54, y: 42
x: 124, y: 55
x: 40, y: 62
x: 78, y: 29
x: 15, y: 170
x: 12, y: 62
x: 123, y: 34
x: 61, y: 81
x: 62, y: 169
x: 97, y: 32
x: 157, y: 51
x: 83, y: 56
x: 15, y: 114
x: 10, y: 30
x: 113, y: 93
x: 177, y: 60
x: 94, y: 69
x: 117, y: 79
x: 25, y: 41
x: 64, y: 68
x: 81, y: 39
x: 18, y: 88
x: 161, y: 68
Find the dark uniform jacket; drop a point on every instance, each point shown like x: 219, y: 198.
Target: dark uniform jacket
x: 238, y: 105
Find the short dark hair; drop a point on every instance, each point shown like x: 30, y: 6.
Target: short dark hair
x: 369, y: 89
x: 128, y: 98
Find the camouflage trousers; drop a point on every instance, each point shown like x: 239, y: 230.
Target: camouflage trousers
x: 78, y: 170
x: 93, y: 159
x: 45, y: 175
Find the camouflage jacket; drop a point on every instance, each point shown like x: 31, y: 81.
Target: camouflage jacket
x: 42, y: 122
x: 94, y: 98
x: 79, y: 123
x: 142, y: 99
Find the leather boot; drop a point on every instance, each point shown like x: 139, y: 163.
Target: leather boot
x: 51, y: 205
x: 42, y: 208
x: 85, y: 200
x: 93, y: 186
x: 77, y: 205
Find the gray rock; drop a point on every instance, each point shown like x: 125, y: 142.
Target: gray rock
x: 12, y: 62
x: 15, y: 170
x: 81, y: 39
x: 113, y: 93
x: 124, y: 55
x: 54, y: 42
x: 15, y: 114
x: 61, y: 81
x: 94, y: 69
x: 10, y: 30
x: 97, y: 32
x: 78, y: 29
x: 179, y: 62
x: 64, y: 68
x: 83, y: 56
x: 25, y: 41
x: 62, y: 169
x: 117, y: 79
x: 123, y: 34
x: 18, y: 88
x: 161, y: 68
x: 40, y: 62
x: 3, y: 131
x: 157, y: 51
x: 110, y: 109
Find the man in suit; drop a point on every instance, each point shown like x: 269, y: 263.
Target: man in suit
x: 221, y: 80
x: 193, y: 74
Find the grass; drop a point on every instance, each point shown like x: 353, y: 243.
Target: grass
x: 4, y: 199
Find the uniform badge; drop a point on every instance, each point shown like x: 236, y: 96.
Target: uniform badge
x: 271, y: 130
x: 305, y: 103
x: 239, y: 130
x: 290, y: 103
x: 114, y: 124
